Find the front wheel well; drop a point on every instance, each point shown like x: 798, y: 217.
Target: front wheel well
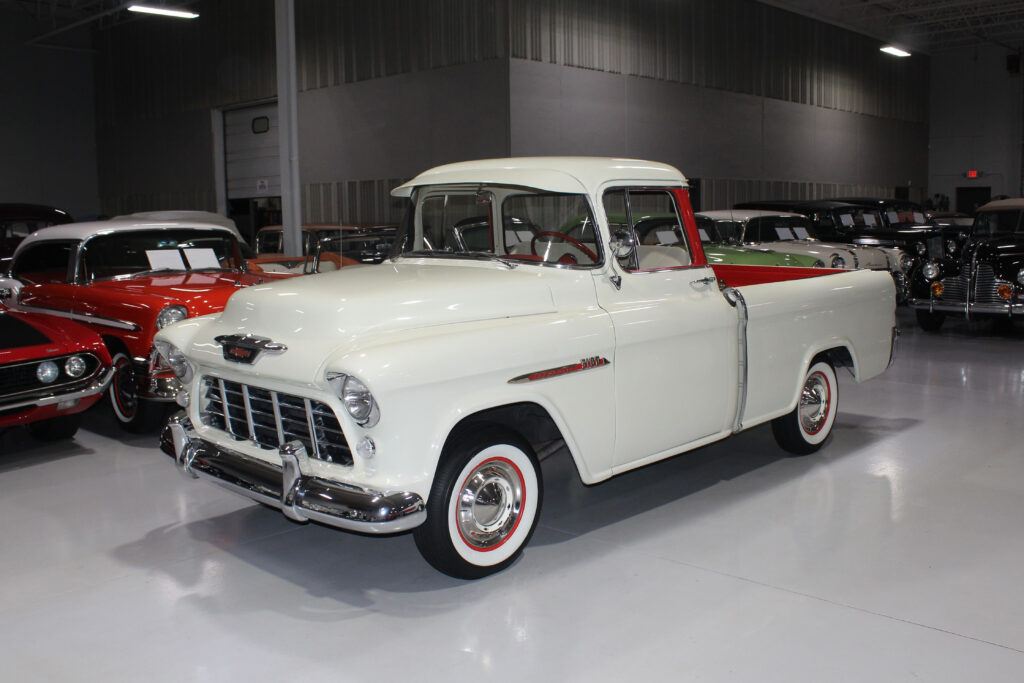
x: 530, y: 420
x: 115, y: 346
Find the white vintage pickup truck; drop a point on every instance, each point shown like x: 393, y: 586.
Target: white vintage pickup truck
x: 523, y: 312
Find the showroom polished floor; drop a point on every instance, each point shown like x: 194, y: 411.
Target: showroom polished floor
x: 895, y: 554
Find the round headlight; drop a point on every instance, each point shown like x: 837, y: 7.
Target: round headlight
x: 170, y: 314
x: 930, y: 270
x: 175, y: 360
x: 357, y: 399
x: 838, y: 261
x: 818, y: 263
x: 950, y: 246
x: 74, y: 366
x: 920, y: 248
x: 906, y: 262
x: 1020, y: 276
x: 47, y: 371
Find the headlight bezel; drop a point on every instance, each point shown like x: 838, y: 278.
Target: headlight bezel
x: 921, y: 248
x: 169, y: 315
x: 838, y: 261
x: 1020, y: 277
x: 357, y: 398
x: 75, y: 366
x: 818, y: 263
x: 47, y: 372
x: 930, y: 270
x: 175, y: 359
x: 907, y: 262
x: 951, y: 247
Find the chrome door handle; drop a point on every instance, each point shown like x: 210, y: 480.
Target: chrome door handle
x: 710, y: 280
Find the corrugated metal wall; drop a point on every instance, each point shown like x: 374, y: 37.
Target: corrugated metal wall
x: 352, y: 202
x: 717, y: 193
x: 736, y: 45
x: 345, y: 41
x: 152, y: 74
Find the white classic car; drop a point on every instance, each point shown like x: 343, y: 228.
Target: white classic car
x: 421, y: 393
x: 792, y: 233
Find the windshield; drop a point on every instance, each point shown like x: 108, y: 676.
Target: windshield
x: 127, y: 253
x: 511, y: 224
x: 904, y: 215
x: 718, y: 232
x: 867, y: 220
x: 998, y: 223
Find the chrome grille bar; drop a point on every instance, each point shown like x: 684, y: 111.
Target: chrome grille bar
x: 271, y: 418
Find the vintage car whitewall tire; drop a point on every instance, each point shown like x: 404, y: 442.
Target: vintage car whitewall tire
x: 809, y: 425
x: 483, y: 505
x: 133, y: 414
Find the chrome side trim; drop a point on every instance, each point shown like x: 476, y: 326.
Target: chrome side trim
x: 299, y: 496
x: 99, y: 385
x: 82, y: 317
x: 735, y: 298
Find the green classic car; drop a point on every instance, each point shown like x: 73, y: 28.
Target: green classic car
x: 664, y: 230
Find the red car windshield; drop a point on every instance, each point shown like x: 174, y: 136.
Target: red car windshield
x: 155, y: 251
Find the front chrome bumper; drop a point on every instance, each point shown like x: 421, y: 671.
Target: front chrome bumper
x: 299, y: 496
x: 46, y: 398
x: 966, y: 308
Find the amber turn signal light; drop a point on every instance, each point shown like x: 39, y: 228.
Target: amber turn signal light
x: 1005, y: 291
x: 937, y: 289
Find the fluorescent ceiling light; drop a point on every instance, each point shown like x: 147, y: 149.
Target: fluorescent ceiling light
x: 894, y: 51
x: 177, y: 14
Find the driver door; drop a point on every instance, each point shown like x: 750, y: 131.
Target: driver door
x: 675, y: 334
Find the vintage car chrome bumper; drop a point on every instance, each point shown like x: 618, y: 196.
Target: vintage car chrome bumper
x: 966, y: 308
x: 299, y: 496
x: 46, y: 398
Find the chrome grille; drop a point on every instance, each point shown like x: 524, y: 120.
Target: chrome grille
x: 272, y: 418
x: 984, y: 287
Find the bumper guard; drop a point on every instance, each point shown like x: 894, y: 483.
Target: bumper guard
x: 299, y: 496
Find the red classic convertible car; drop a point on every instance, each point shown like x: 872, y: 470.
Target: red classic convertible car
x: 127, y: 279
x: 50, y: 372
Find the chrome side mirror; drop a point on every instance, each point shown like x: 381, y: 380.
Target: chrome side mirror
x: 622, y: 243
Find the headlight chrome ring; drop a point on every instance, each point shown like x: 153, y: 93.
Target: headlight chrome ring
x: 175, y: 360
x: 930, y: 270
x: 170, y: 315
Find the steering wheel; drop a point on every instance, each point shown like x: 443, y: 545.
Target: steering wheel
x: 571, y: 240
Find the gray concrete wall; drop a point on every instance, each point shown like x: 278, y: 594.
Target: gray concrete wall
x: 976, y: 122
x: 713, y: 134
x: 47, y: 125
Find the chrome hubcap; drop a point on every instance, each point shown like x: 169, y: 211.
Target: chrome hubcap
x: 814, y: 403
x: 489, y: 505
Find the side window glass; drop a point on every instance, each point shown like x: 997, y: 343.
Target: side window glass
x: 44, y: 263
x: 619, y: 226
x: 660, y: 240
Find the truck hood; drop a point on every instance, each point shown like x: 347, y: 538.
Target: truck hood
x: 318, y: 313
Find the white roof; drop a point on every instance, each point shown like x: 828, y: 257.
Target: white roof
x: 81, y: 231
x: 1002, y: 205
x: 554, y: 174
x: 184, y: 215
x: 744, y: 214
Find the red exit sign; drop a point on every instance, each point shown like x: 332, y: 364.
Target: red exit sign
x: 973, y: 173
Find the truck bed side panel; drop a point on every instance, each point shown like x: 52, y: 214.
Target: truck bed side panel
x: 791, y: 322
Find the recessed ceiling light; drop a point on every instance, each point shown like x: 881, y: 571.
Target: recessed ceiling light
x: 177, y: 14
x: 894, y: 51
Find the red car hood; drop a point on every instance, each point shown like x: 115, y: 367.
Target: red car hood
x: 201, y: 293
x: 28, y: 336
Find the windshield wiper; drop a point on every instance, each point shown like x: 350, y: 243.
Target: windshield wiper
x: 155, y: 271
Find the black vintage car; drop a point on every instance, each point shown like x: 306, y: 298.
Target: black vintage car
x: 859, y: 223
x: 986, y: 277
